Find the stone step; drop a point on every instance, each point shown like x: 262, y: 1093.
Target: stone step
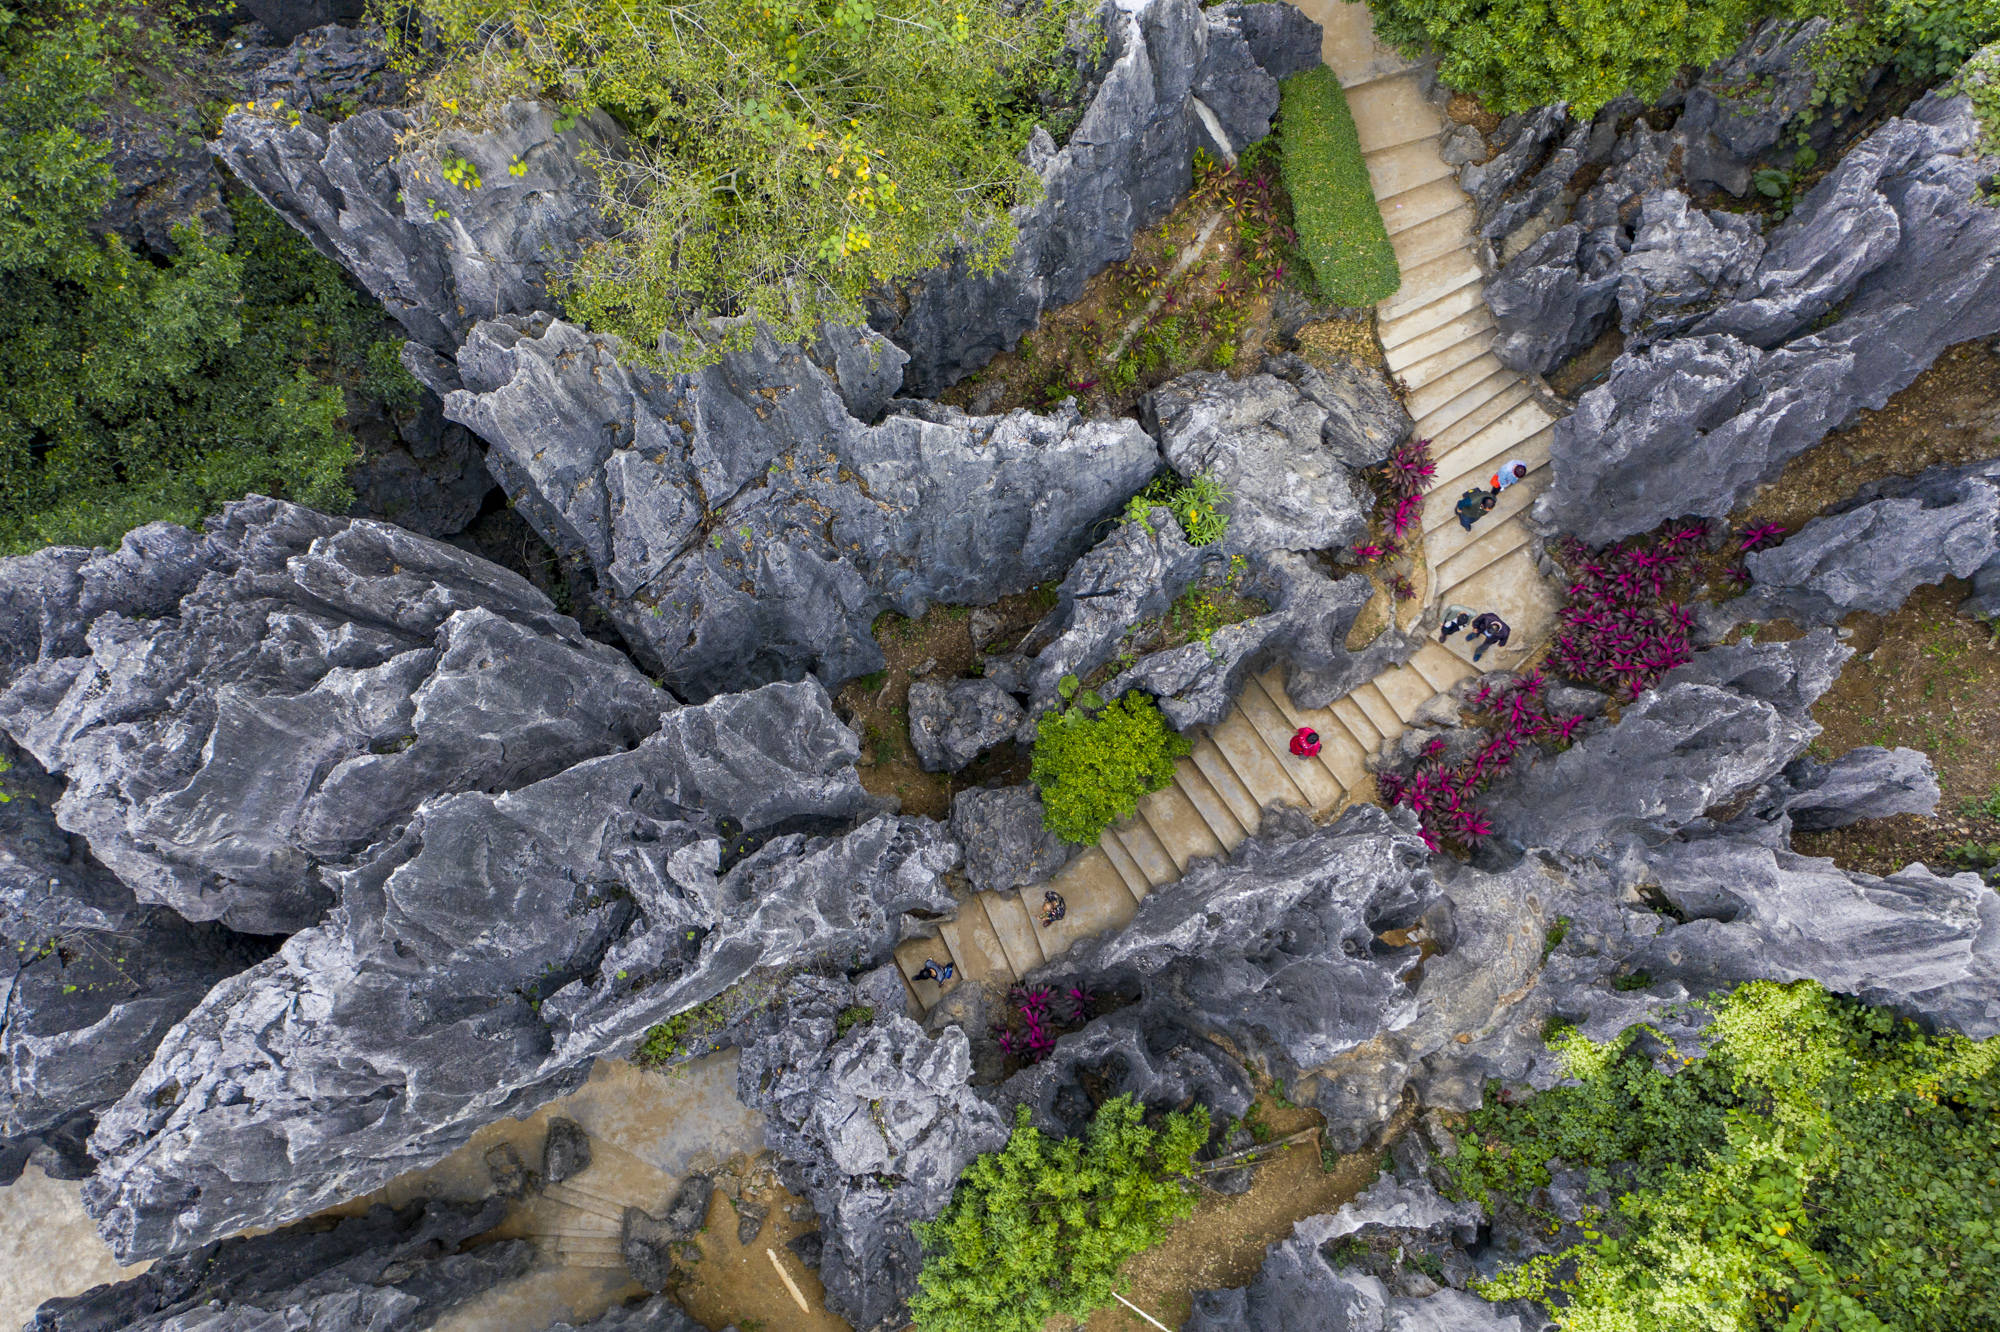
x: 1484, y: 550
x: 1441, y: 667
x: 1214, y: 765
x: 1445, y: 387
x: 1404, y: 167
x: 582, y: 1200
x: 1143, y: 845
x: 544, y: 1232
x: 1336, y: 745
x: 1381, y: 714
x: 605, y: 1244
x: 1221, y: 822
x: 976, y: 946
x: 1423, y: 285
x: 1121, y: 860
x: 1261, y: 770
x: 1493, y: 444
x: 1434, y: 239
x: 1348, y: 45
x: 1440, y: 364
x: 1446, y: 427
x: 1434, y: 198
x: 1365, y: 732
x: 1095, y: 900
x: 1176, y: 820
x: 1388, y: 112
x: 1444, y: 536
x: 1312, y: 777
x: 1407, y: 689
x: 1014, y: 929
x: 1474, y: 321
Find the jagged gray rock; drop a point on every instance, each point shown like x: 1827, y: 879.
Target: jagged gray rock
x: 1287, y: 461
x: 1867, y: 782
x: 1006, y: 845
x: 1942, y: 524
x: 648, y: 1242
x: 1555, y: 298
x: 1893, y: 245
x: 92, y: 980
x: 656, y: 1313
x: 438, y: 257
x: 565, y: 1151
x: 327, y: 70
x: 874, y: 1128
x: 1681, y: 264
x: 233, y: 709
x: 1148, y: 1053
x: 369, y: 1273
x: 1736, y: 112
x: 378, y: 1041
x: 954, y: 722
x: 289, y: 18
x: 744, y: 526
x: 1126, y: 162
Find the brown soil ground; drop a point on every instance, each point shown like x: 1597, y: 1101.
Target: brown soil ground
x: 1466, y: 109
x: 938, y: 645
x: 735, y: 1283
x: 1223, y: 1243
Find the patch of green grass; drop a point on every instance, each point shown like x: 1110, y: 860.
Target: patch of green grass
x: 1557, y: 933
x: 1340, y: 230
x: 850, y: 1018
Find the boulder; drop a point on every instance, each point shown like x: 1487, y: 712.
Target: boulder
x: 1555, y: 299
x: 743, y: 526
x: 1681, y: 264
x: 279, y: 693
x: 1738, y: 110
x: 954, y: 722
x: 565, y: 1151
x: 1127, y: 161
x: 1283, y: 458
x: 1942, y: 524
x: 874, y: 1128
x: 648, y: 1242
x: 378, y: 1041
x: 1006, y: 845
x: 93, y: 979
x: 382, y: 1269
x: 438, y: 257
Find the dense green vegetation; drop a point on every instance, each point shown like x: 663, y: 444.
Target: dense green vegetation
x: 1094, y: 760
x: 791, y: 153
x: 1823, y: 1165
x: 133, y: 390
x: 1040, y: 1227
x: 1196, y: 503
x: 1340, y: 231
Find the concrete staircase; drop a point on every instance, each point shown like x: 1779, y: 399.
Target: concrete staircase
x: 1436, y: 331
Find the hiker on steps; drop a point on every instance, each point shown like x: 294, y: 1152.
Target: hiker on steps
x: 1305, y: 743
x: 936, y: 973
x: 1511, y: 471
x: 1495, y: 631
x: 1455, y: 619
x: 1053, y: 907
x: 1473, y: 505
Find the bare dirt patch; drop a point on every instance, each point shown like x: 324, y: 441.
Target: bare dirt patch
x: 733, y: 1283
x: 1466, y: 109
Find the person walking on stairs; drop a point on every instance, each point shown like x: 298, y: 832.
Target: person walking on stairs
x: 936, y: 973
x: 1305, y: 743
x: 1511, y: 471
x: 1473, y: 505
x: 1053, y: 907
x: 1493, y: 629
x: 1455, y: 619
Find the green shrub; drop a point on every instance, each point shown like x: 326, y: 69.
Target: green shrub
x: 1823, y: 1165
x: 1981, y: 81
x: 1197, y: 505
x: 1341, y: 235
x: 788, y: 154
x: 1519, y: 54
x: 1040, y: 1227
x: 1092, y: 765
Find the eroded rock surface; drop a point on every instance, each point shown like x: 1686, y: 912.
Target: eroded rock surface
x: 953, y: 723
x: 1005, y: 843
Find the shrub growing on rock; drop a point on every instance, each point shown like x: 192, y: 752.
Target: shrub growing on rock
x: 1824, y: 1164
x: 1093, y: 763
x: 1040, y: 1227
x: 786, y: 156
x: 1340, y: 231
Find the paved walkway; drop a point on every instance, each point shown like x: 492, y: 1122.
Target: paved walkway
x: 1436, y: 331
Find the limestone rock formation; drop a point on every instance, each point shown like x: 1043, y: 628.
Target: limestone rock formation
x: 657, y: 1313
x: 1126, y: 163
x: 379, y: 1040
x: 235, y: 708
x: 1555, y: 299
x: 1004, y: 840
x: 369, y: 1273
x: 874, y: 1128
x: 1737, y: 111
x: 325, y: 70
x: 744, y: 526
x: 953, y: 723
x: 289, y: 18
x: 1867, y: 782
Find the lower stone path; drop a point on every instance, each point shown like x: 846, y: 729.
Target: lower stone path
x: 1436, y: 332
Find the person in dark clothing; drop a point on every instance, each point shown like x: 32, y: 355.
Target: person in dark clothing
x: 1455, y: 619
x: 1305, y: 743
x: 934, y: 972
x: 1472, y: 506
x: 1493, y: 629
x: 1053, y: 907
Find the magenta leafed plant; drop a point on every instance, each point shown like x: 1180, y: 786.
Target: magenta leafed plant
x: 1408, y: 471
x: 1408, y: 513
x: 1620, y: 631
x: 1038, y: 1012
x: 1760, y: 536
x: 1441, y: 795
x: 1368, y: 554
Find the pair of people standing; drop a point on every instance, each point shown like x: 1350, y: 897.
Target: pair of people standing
x: 1475, y: 503
x: 1488, y: 628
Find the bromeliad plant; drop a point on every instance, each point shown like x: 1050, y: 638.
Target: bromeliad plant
x: 1622, y: 630
x: 1039, y: 1015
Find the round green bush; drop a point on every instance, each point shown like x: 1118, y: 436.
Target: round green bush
x: 1092, y: 765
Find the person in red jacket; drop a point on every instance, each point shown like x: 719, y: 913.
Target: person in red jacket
x: 1305, y: 743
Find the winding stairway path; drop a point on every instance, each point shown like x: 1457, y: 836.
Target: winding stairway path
x: 1436, y: 331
